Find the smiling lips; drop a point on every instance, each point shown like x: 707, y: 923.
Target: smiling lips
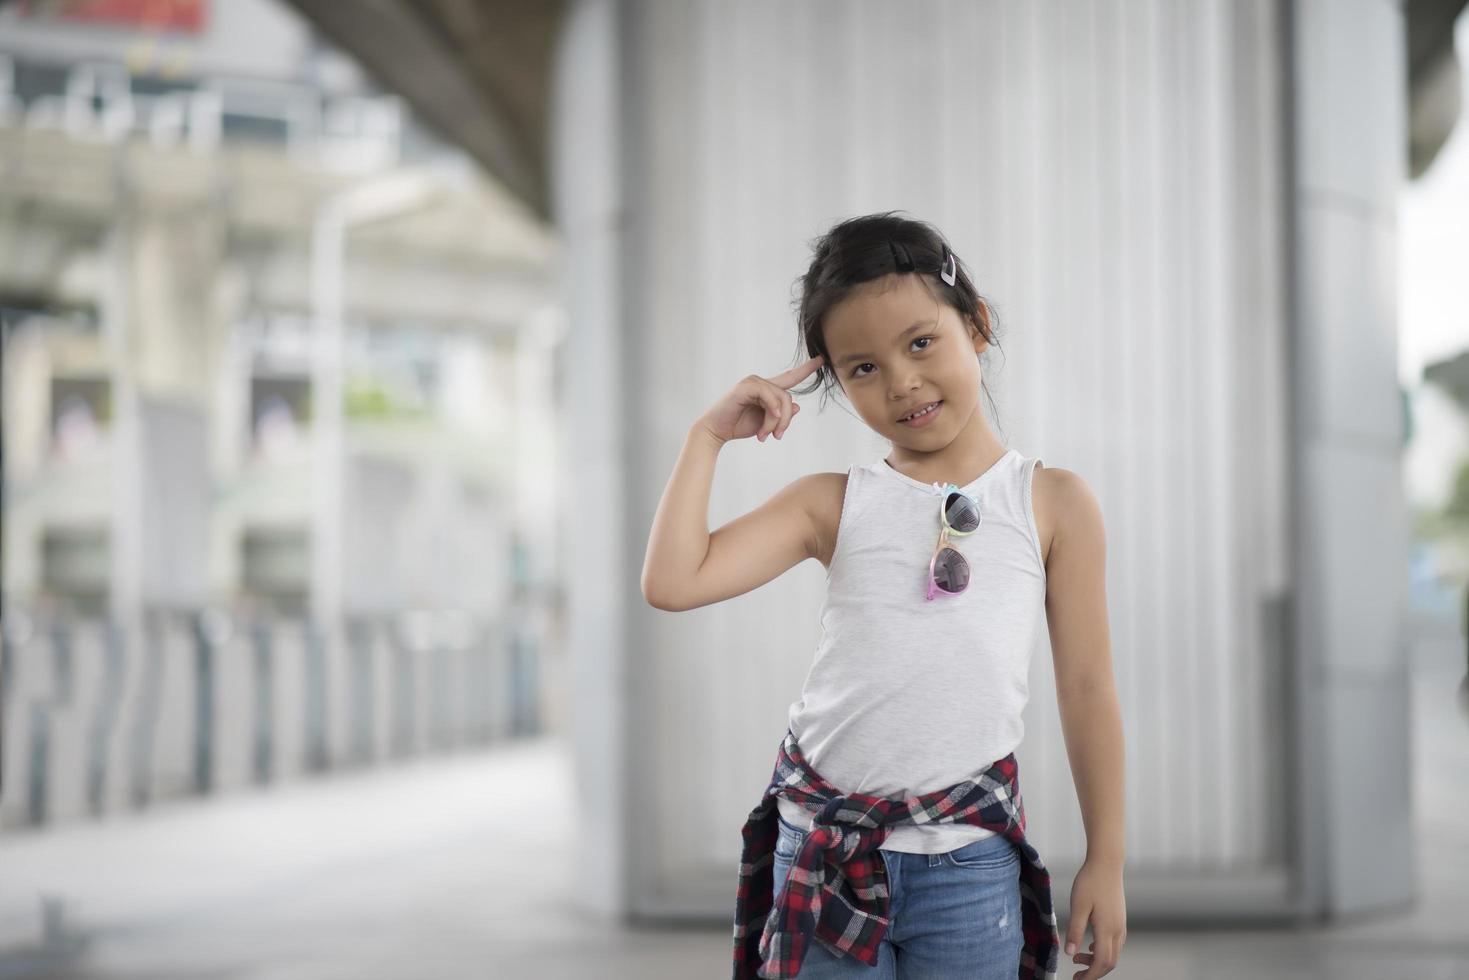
x: 922, y: 415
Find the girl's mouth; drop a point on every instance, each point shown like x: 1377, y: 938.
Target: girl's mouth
x: 924, y: 417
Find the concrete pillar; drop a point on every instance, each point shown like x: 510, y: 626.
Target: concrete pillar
x: 1349, y: 158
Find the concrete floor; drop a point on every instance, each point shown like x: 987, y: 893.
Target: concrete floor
x: 356, y: 877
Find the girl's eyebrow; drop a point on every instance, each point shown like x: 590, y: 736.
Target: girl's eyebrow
x: 847, y: 358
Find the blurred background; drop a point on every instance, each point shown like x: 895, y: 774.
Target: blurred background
x: 348, y: 346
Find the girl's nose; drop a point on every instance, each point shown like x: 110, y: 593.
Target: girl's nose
x: 902, y: 386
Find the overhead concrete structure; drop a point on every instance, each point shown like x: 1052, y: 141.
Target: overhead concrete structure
x: 1434, y: 76
x: 478, y: 71
x: 481, y: 73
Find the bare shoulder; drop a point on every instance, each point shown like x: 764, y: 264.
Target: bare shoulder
x: 1064, y: 504
x: 824, y: 494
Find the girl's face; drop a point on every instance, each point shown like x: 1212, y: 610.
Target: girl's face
x: 896, y: 347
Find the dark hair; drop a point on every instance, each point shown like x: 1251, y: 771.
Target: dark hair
x: 861, y: 249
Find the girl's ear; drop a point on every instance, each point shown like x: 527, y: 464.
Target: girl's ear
x: 981, y: 327
x: 980, y: 344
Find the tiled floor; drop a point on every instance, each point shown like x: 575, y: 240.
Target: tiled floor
x: 355, y: 878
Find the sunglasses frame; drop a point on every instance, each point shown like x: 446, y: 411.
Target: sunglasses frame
x: 946, y: 529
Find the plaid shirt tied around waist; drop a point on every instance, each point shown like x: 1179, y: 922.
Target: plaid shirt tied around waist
x: 837, y: 890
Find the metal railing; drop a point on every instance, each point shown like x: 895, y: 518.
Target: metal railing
x: 100, y: 718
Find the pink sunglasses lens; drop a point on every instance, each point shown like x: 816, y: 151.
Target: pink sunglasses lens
x: 951, y: 571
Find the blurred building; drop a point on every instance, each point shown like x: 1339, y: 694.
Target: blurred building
x: 278, y: 390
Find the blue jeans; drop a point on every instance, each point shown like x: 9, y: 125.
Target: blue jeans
x: 953, y: 916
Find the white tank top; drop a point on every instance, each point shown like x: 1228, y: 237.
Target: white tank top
x: 906, y: 695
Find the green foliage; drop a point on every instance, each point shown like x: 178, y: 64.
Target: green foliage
x: 367, y: 398
x: 1456, y: 511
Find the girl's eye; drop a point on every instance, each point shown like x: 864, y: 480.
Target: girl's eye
x: 857, y: 371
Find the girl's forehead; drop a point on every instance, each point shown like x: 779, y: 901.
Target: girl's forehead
x: 880, y: 308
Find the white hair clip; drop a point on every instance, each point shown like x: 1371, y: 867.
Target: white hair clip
x: 950, y: 271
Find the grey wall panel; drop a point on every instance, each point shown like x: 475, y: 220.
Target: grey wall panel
x: 1149, y: 280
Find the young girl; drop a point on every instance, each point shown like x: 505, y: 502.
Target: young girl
x: 892, y: 830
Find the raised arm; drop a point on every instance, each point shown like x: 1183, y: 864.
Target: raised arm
x: 685, y: 566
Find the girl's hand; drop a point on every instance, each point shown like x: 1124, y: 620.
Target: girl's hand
x: 758, y: 405
x: 1096, y: 895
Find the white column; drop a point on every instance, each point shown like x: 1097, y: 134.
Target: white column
x: 597, y: 530
x: 1348, y: 163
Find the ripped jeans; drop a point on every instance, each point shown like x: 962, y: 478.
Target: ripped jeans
x: 953, y: 916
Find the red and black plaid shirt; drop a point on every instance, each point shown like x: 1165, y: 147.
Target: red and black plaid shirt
x: 837, y: 889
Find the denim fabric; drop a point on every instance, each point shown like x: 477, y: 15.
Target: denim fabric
x: 954, y: 916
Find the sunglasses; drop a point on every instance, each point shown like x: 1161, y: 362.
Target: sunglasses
x: 948, y: 572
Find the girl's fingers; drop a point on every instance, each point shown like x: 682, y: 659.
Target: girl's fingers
x: 770, y: 401
x: 777, y: 402
x: 797, y: 374
x: 791, y: 408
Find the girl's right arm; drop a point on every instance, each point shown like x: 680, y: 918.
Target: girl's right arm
x: 686, y: 567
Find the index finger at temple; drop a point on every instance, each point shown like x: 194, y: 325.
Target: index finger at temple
x: 793, y: 376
